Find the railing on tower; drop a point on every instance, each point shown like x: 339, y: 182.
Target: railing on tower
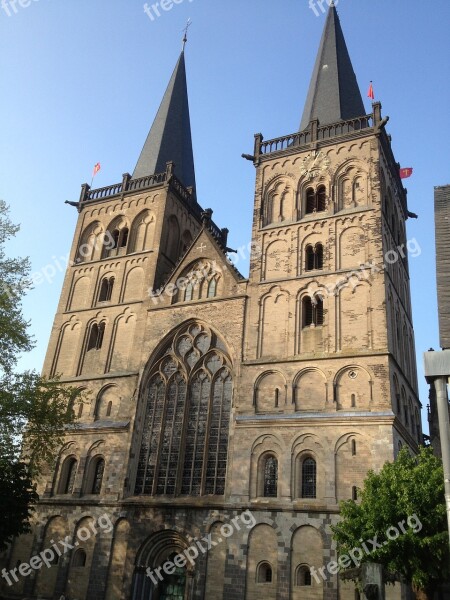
x: 186, y: 195
x: 313, y: 134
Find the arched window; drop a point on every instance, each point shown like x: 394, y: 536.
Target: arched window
x: 353, y: 400
x: 109, y: 409
x: 96, y: 334
x: 318, y: 258
x: 106, y: 289
x: 309, y: 478
x: 314, y: 257
x: 312, y: 311
x: 307, y: 311
x: 405, y: 407
x: 115, y: 239
x: 98, y: 469
x: 321, y: 199
x: 264, y: 573
x: 123, y: 238
x: 303, y: 576
x: 68, y: 474
x: 79, y: 558
x: 212, y: 288
x: 316, y: 201
x: 353, y: 447
x: 184, y: 444
x: 309, y: 258
x: 354, y: 493
x: 270, y: 475
x: 90, y: 243
x: 310, y: 201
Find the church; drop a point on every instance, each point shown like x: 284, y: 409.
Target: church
x: 227, y: 416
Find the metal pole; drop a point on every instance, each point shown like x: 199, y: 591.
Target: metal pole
x: 440, y: 384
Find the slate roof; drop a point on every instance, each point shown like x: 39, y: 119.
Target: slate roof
x: 170, y: 135
x: 333, y: 94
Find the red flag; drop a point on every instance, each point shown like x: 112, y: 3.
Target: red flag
x: 370, y: 93
x: 406, y: 172
x: 97, y: 168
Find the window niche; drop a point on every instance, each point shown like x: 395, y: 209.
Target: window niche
x: 68, y: 474
x: 264, y: 573
x: 316, y: 200
x: 106, y: 289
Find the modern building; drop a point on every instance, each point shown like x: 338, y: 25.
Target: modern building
x: 214, y: 394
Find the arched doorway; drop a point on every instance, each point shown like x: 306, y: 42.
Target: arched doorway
x: 174, y: 586
x: 150, y: 582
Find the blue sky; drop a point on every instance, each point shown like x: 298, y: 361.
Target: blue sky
x: 82, y: 81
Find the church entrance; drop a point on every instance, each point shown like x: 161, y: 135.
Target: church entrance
x: 174, y: 586
x: 158, y: 549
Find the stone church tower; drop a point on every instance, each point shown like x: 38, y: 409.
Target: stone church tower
x: 212, y: 395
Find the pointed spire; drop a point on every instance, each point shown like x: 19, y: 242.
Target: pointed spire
x: 333, y: 94
x: 170, y: 135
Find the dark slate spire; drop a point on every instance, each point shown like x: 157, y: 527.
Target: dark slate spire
x: 170, y: 136
x: 333, y: 92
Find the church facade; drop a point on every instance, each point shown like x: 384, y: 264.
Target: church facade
x: 227, y: 416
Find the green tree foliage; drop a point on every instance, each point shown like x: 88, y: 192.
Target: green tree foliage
x: 410, y: 488
x: 29, y: 404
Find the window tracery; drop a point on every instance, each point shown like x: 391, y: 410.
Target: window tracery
x: 185, y: 435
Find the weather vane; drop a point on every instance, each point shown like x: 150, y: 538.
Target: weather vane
x: 185, y: 30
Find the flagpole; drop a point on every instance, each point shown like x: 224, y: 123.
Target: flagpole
x: 97, y: 168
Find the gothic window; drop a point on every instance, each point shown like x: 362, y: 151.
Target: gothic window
x: 312, y: 311
x: 316, y: 200
x: 68, y: 473
x: 188, y: 404
x: 106, y: 289
x: 212, y: 288
x: 270, y: 476
x: 96, y: 335
x: 79, y: 558
x: 200, y: 281
x: 189, y: 292
x: 264, y: 573
x: 309, y: 477
x: 303, y: 576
